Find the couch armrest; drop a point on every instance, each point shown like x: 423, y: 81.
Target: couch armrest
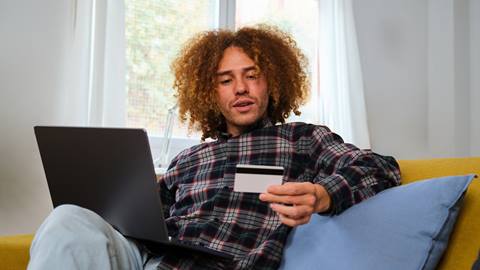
x: 14, y: 251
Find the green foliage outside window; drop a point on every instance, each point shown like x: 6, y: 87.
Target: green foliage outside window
x: 155, y: 30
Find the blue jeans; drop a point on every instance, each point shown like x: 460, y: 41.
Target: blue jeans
x: 76, y: 238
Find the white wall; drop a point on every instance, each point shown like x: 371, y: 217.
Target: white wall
x: 461, y: 69
x: 475, y: 76
x: 392, y: 38
x: 419, y: 65
x: 32, y: 44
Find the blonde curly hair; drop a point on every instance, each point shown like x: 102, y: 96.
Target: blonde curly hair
x: 274, y: 53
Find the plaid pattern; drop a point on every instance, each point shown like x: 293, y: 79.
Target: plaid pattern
x: 201, y: 207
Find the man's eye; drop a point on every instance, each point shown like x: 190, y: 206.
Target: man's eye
x: 225, y: 82
x: 252, y: 76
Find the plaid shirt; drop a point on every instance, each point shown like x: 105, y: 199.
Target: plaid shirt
x: 201, y: 207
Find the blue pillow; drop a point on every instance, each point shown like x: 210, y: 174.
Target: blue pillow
x: 406, y: 227
x: 476, y: 265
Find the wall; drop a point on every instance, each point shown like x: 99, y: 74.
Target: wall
x: 392, y: 42
x: 475, y: 76
x: 31, y: 62
x: 419, y: 64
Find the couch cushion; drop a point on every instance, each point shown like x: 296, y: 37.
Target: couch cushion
x: 14, y: 251
x: 405, y: 227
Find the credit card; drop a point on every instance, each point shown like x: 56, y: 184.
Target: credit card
x: 256, y: 178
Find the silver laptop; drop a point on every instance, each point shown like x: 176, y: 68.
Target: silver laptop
x: 110, y: 171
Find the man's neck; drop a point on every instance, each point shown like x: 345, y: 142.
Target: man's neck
x: 262, y: 122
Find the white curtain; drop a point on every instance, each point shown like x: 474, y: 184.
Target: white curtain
x: 45, y: 63
x: 340, y: 86
x: 94, y: 85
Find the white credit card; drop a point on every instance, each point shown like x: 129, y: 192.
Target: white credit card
x: 256, y: 178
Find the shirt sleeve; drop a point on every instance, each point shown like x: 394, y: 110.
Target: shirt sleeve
x: 166, y: 187
x: 349, y: 174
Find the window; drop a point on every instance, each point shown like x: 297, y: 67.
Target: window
x: 155, y: 31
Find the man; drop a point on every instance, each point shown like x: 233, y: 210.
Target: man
x: 235, y: 87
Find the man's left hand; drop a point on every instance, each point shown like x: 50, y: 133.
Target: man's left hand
x: 296, y: 202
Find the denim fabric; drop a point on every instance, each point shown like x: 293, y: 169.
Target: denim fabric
x: 76, y: 238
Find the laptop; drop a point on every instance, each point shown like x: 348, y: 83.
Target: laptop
x: 110, y: 171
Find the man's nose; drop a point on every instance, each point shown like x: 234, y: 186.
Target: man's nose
x: 241, y: 87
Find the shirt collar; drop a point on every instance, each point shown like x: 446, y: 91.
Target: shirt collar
x: 262, y: 123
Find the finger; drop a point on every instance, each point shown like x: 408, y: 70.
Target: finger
x: 291, y: 188
x: 308, y: 199
x: 294, y: 212
x: 293, y: 222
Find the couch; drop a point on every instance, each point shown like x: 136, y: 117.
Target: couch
x: 462, y: 249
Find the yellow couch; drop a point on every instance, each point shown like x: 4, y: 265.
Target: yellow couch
x: 464, y: 243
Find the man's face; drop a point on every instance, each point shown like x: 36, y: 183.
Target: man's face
x: 242, y: 94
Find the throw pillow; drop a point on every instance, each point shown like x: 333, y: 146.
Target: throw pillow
x: 405, y: 227
x: 476, y: 265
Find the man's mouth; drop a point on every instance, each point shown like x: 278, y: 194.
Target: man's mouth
x: 243, y: 106
x: 242, y: 103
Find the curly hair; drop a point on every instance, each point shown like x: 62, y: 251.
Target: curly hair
x: 274, y: 53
